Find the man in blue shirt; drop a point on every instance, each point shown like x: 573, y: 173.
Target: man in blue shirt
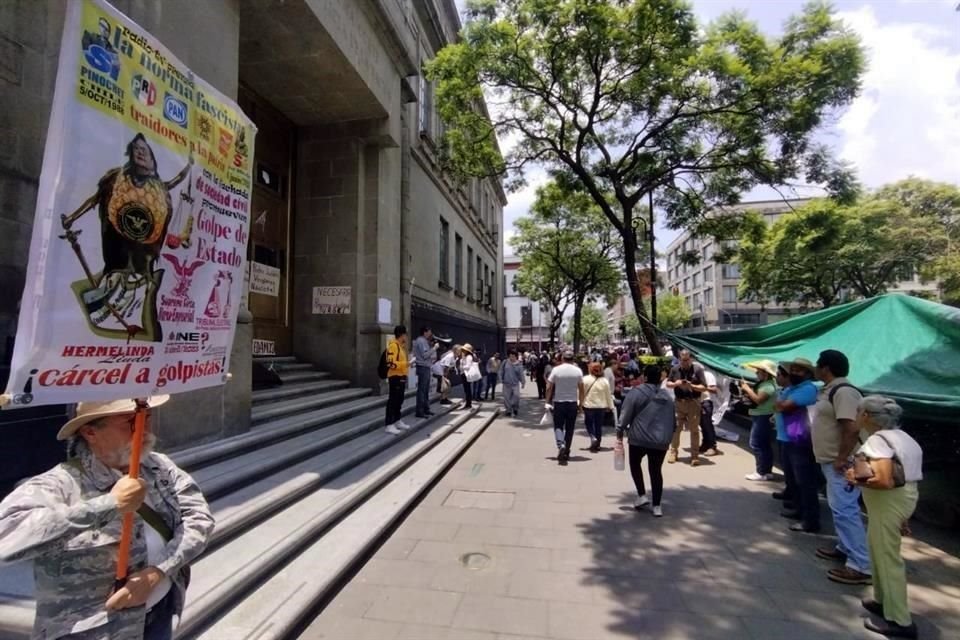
x: 793, y: 430
x: 425, y: 354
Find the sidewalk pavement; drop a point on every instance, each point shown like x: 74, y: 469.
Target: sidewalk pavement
x: 510, y: 546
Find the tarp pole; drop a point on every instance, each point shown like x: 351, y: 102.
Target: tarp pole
x: 126, y: 533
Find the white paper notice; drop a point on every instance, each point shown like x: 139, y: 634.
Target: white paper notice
x: 383, y: 310
x: 331, y: 300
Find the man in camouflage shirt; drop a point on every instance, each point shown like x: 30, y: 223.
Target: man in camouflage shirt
x: 68, y: 522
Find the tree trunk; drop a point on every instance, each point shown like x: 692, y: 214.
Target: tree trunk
x: 636, y: 294
x: 577, y: 312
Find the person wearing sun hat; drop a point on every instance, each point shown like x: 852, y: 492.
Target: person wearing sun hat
x: 68, y: 521
x: 793, y: 430
x: 762, y: 396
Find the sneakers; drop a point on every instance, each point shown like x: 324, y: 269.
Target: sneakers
x: 802, y: 528
x: 713, y: 451
x: 393, y: 430
x: 671, y: 457
x: 695, y: 462
x: 403, y: 426
x: 759, y: 477
x: 641, y: 503
x: 562, y: 455
x: 658, y: 512
x: 846, y: 575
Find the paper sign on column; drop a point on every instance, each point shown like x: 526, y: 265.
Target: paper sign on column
x: 383, y: 310
x: 331, y: 300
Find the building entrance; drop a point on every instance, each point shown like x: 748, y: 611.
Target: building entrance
x: 271, y: 213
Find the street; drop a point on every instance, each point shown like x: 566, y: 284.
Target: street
x: 510, y: 546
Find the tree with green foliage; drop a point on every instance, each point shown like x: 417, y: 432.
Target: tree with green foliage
x: 547, y: 287
x: 672, y: 312
x: 593, y: 328
x: 813, y: 255
x: 566, y: 234
x: 635, y: 97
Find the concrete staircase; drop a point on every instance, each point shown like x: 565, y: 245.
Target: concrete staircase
x: 298, y: 500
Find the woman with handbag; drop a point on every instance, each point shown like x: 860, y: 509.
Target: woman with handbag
x: 597, y: 401
x: 887, y: 467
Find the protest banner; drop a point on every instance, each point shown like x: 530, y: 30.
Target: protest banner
x: 138, y: 255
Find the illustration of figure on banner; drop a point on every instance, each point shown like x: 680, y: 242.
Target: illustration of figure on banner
x: 218, y: 304
x: 136, y: 209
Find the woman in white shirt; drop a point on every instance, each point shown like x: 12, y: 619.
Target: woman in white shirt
x: 597, y: 400
x: 889, y: 507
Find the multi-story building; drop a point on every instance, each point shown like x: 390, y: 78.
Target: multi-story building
x: 527, y: 324
x: 623, y: 307
x: 348, y: 191
x: 711, y: 288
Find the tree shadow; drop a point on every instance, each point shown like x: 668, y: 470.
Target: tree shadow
x: 721, y: 564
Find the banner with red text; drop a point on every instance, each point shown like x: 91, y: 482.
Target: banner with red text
x: 140, y: 235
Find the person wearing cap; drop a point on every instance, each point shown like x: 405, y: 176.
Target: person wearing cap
x: 68, y: 521
x: 469, y: 373
x: 565, y: 393
x: 793, y: 430
x: 762, y: 396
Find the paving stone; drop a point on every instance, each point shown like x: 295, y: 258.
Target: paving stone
x: 396, y: 573
x: 426, y: 632
x: 418, y: 606
x: 489, y: 535
x: 457, y: 578
x: 422, y: 530
x: 502, y: 615
x: 554, y: 586
x: 335, y: 628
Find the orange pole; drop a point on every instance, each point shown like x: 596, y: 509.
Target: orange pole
x: 126, y: 533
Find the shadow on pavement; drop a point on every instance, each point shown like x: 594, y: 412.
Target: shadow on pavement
x: 758, y: 573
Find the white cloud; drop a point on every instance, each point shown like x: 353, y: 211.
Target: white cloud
x: 907, y: 120
x: 519, y: 203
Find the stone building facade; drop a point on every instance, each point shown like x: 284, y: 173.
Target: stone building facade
x: 347, y: 188
x: 526, y: 323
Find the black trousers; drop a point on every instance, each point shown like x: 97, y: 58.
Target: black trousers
x: 541, y: 387
x: 708, y: 433
x: 467, y: 392
x: 397, y: 385
x: 564, y: 423
x: 806, y: 474
x: 655, y: 459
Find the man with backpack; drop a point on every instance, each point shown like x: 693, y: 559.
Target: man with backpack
x: 394, y: 359
x: 834, y: 434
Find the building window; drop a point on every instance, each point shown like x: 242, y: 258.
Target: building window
x: 906, y: 273
x: 686, y: 284
x: 696, y: 280
x: 730, y: 271
x: 444, y: 252
x: 470, y: 273
x: 479, y: 281
x: 426, y: 105
x: 696, y: 302
x: 486, y: 283
x: 729, y: 294
x: 707, y: 251
x: 458, y: 265
x: 708, y: 297
x: 708, y: 274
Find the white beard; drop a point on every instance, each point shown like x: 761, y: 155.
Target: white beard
x: 120, y: 458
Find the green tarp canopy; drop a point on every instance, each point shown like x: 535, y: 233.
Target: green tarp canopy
x: 899, y: 346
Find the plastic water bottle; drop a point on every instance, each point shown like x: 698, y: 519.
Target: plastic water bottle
x: 618, y: 457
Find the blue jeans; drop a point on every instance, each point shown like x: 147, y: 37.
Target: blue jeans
x: 564, y: 423
x: 423, y: 390
x: 846, y: 519
x: 761, y: 443
x: 594, y: 421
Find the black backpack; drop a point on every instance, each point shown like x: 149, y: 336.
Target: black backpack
x: 382, y: 367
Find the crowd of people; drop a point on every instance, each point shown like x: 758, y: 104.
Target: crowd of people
x: 68, y: 519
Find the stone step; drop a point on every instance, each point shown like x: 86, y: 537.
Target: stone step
x: 233, y: 569
x: 290, y: 366
x: 274, y: 431
x: 274, y: 410
x: 246, y: 514
x: 288, y: 596
x: 268, y: 359
x: 288, y: 391
x: 301, y: 376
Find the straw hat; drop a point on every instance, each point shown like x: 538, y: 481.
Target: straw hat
x: 763, y: 365
x: 468, y: 348
x: 799, y: 362
x: 89, y: 411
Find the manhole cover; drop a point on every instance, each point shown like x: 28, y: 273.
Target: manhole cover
x: 474, y: 561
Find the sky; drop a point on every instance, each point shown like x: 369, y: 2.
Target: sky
x: 906, y: 120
